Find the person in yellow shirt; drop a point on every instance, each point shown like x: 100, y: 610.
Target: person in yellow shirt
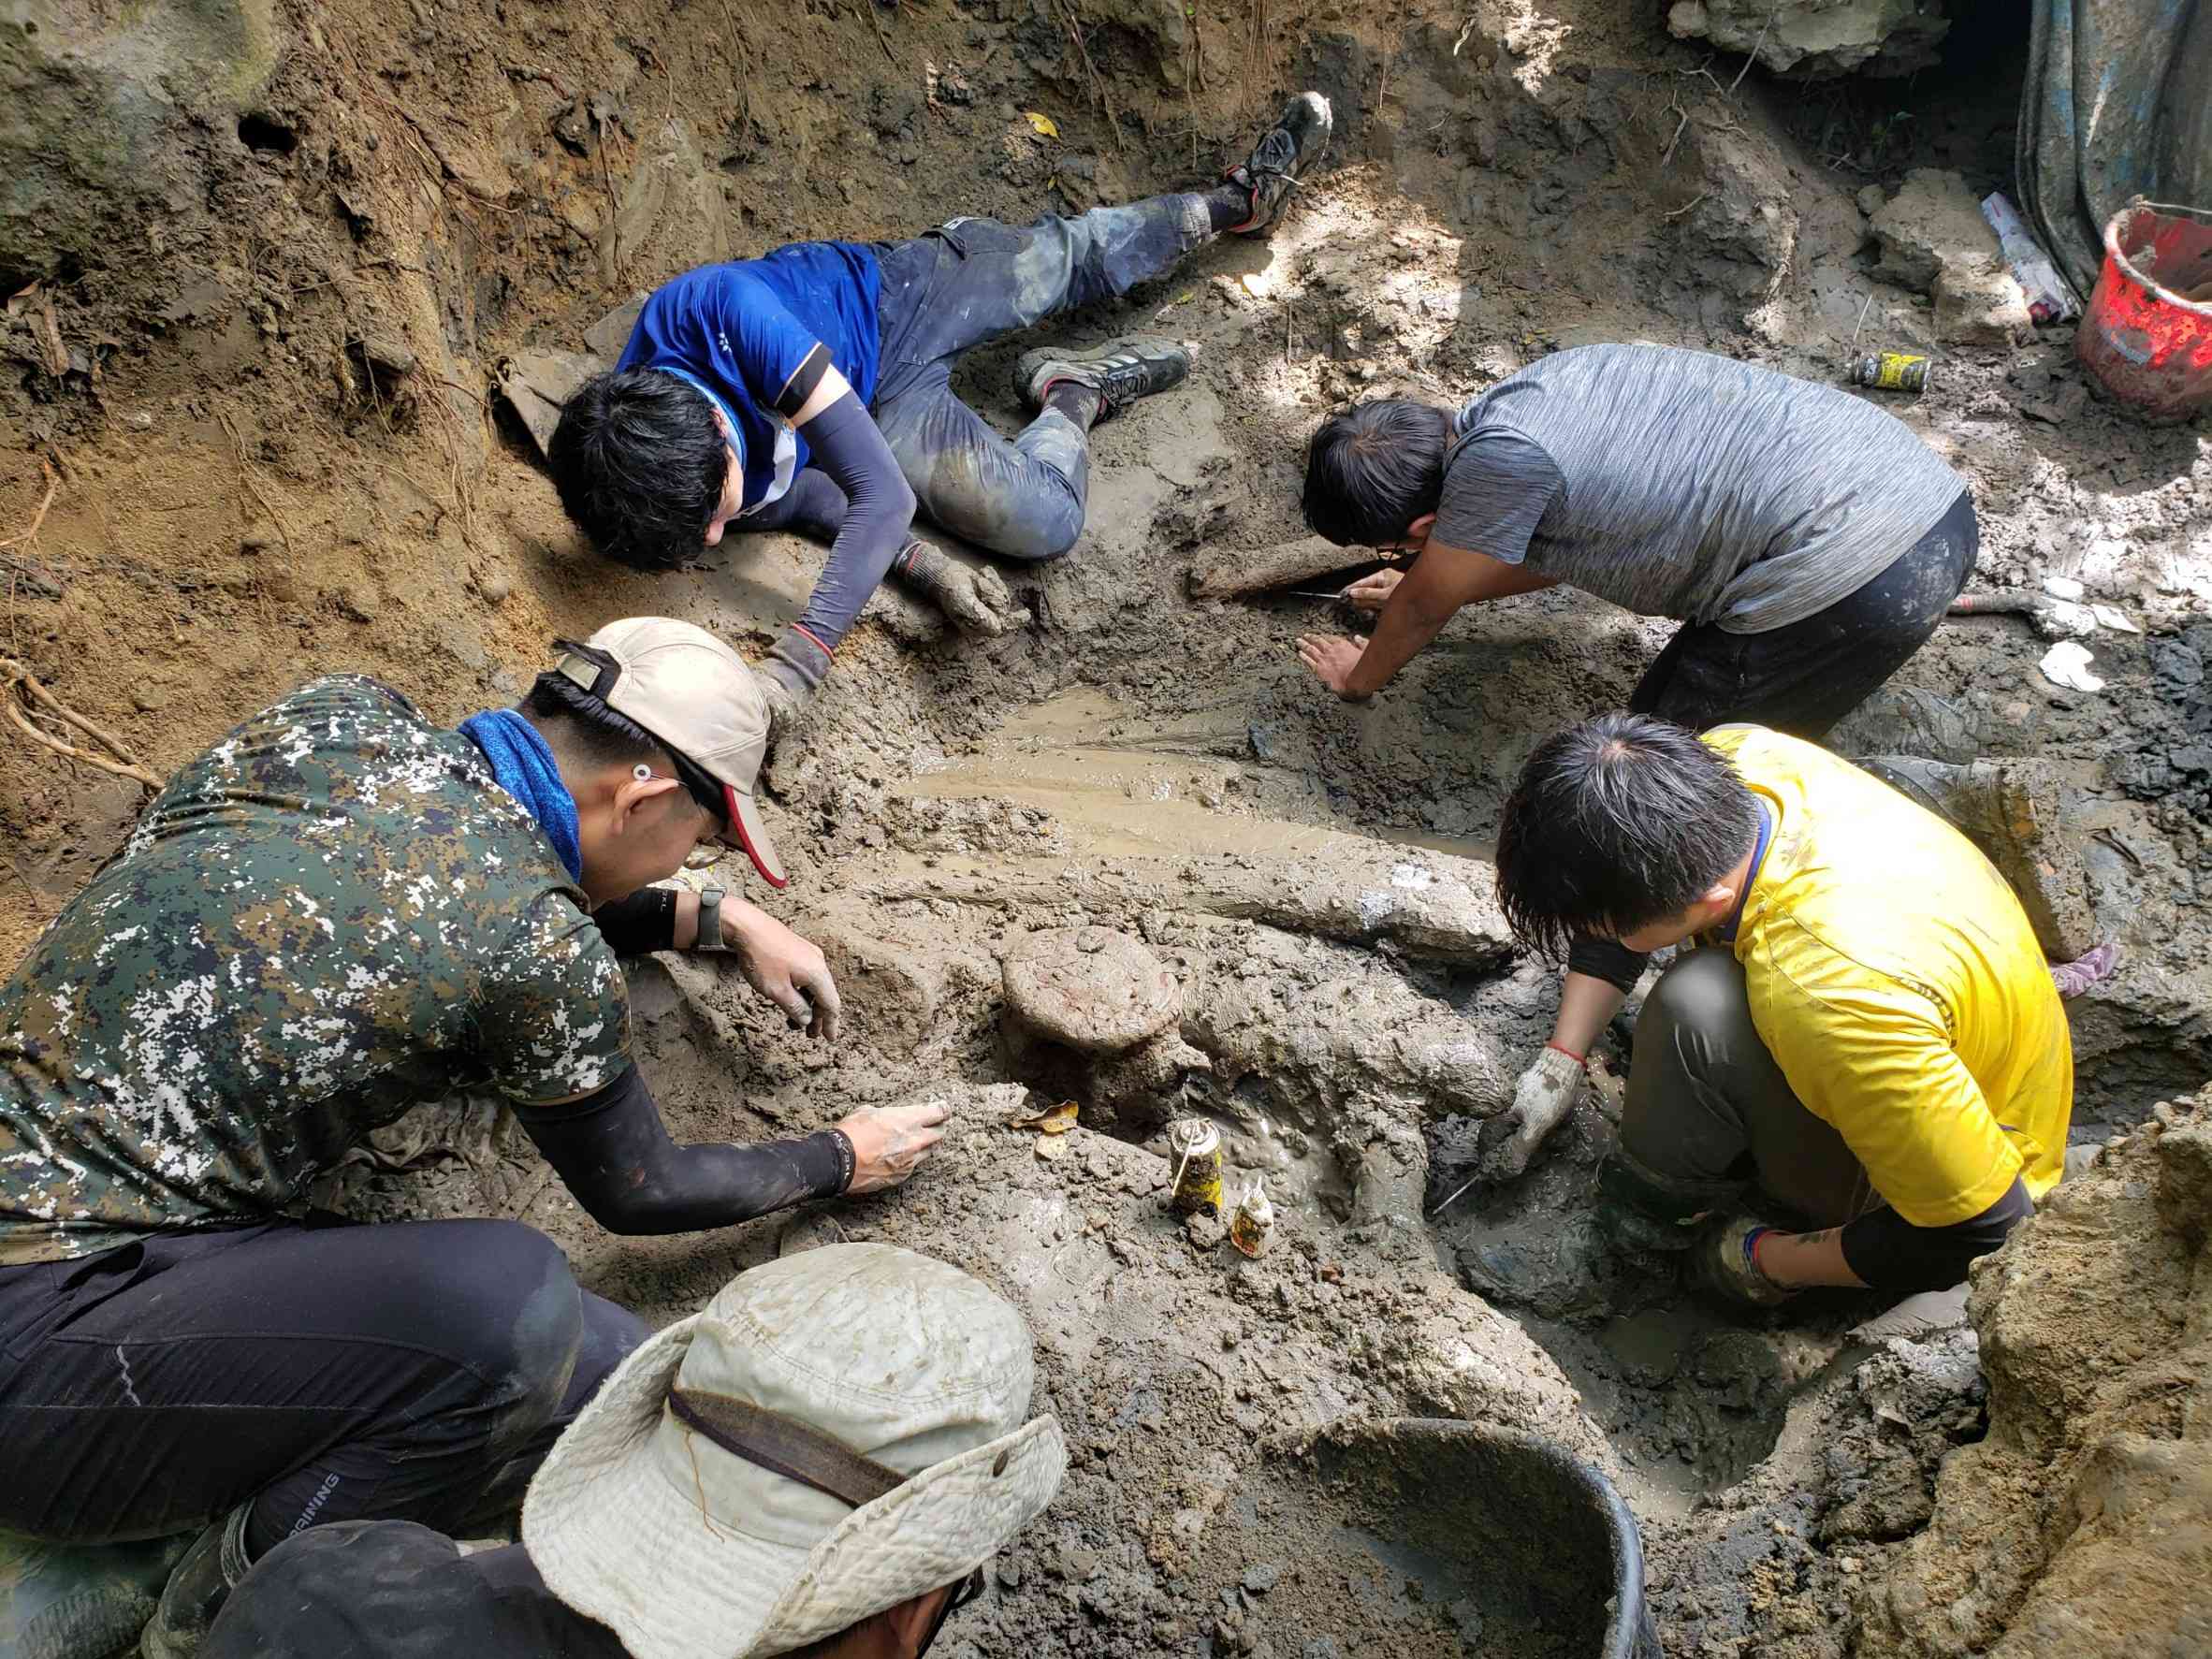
x: 1864, y: 1044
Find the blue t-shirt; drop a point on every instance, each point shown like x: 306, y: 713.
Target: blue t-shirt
x: 739, y: 333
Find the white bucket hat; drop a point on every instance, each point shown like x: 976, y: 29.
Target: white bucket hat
x: 643, y: 1520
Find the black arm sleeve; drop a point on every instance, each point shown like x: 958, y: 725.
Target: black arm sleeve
x: 1891, y: 1253
x: 1608, y: 960
x: 611, y: 1151
x: 643, y: 922
x: 879, y: 506
x: 813, y: 507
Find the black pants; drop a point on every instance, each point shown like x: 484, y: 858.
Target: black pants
x: 418, y: 1371
x: 1804, y: 677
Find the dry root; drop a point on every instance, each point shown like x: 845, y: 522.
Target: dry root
x: 21, y: 695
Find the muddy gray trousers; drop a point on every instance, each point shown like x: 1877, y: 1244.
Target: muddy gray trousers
x: 1708, y: 1114
x: 969, y: 282
x: 415, y: 1370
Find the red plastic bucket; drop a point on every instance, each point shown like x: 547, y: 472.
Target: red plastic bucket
x: 2146, y: 345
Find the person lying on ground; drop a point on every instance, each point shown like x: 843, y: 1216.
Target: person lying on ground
x: 748, y: 1483
x: 811, y: 391
x: 336, y: 913
x: 1865, y: 1042
x: 1808, y: 541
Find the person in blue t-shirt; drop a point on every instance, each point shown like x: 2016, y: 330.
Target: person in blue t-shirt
x: 811, y: 391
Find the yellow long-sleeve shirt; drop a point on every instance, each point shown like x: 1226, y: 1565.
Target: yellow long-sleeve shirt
x: 1898, y: 984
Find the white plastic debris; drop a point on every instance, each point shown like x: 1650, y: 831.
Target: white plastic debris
x: 2062, y: 588
x: 2049, y: 299
x: 2067, y: 663
x: 2112, y: 617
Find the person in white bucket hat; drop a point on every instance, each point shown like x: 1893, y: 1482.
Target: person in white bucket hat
x: 819, y: 1461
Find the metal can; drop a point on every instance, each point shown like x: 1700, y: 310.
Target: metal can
x: 1195, y: 1146
x: 1890, y: 371
x: 1253, y: 1221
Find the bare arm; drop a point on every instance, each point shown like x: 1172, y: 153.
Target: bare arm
x: 1585, y: 1004
x: 1442, y: 579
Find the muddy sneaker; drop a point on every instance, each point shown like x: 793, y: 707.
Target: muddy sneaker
x: 197, y: 1588
x: 1120, y: 371
x: 2014, y: 811
x: 1283, y: 154
x: 78, y: 1601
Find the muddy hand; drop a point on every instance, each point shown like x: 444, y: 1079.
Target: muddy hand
x: 792, y: 972
x: 1333, y: 658
x: 889, y: 1142
x: 1548, y: 1092
x: 974, y: 598
x: 1371, y: 593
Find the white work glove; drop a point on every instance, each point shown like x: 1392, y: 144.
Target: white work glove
x: 973, y: 598
x: 1548, y: 1092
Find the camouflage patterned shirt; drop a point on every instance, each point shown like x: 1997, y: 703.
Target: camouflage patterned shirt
x: 332, y: 915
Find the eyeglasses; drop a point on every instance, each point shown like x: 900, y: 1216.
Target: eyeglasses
x: 962, y: 1593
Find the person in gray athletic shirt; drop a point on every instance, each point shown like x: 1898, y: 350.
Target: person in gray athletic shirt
x: 1808, y: 541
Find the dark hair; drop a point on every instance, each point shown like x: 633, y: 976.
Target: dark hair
x: 1375, y: 469
x: 640, y: 461
x: 1614, y: 825
x: 596, y: 734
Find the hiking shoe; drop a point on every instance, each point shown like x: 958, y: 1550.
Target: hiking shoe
x: 201, y: 1583
x: 1120, y: 371
x: 80, y: 1601
x: 2016, y: 812
x: 1283, y: 154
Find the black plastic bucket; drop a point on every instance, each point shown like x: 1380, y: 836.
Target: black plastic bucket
x: 1532, y: 1533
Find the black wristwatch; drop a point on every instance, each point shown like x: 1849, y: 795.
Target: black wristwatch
x: 710, y: 920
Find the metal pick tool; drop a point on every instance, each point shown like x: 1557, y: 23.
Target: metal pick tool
x: 1311, y: 593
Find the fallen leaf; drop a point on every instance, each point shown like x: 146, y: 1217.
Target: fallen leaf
x: 1185, y: 297
x: 1043, y: 125
x: 1059, y: 1121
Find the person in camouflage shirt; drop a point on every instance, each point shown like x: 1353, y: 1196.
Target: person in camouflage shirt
x: 339, y: 913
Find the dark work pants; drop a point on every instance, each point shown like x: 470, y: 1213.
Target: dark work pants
x: 1804, y: 678
x: 418, y: 1371
x: 1709, y: 1112
x: 967, y: 282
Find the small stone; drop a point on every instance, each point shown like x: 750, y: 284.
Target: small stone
x: 1260, y: 1579
x: 1204, y: 1228
x: 148, y: 699
x: 496, y: 587
x: 1870, y: 200
x: 1009, y: 1573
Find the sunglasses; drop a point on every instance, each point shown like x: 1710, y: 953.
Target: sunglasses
x: 962, y: 1593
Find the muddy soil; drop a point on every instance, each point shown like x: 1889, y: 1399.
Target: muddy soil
x: 262, y: 418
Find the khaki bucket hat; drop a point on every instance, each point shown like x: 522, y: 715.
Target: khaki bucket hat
x: 697, y: 696
x: 689, y: 1508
